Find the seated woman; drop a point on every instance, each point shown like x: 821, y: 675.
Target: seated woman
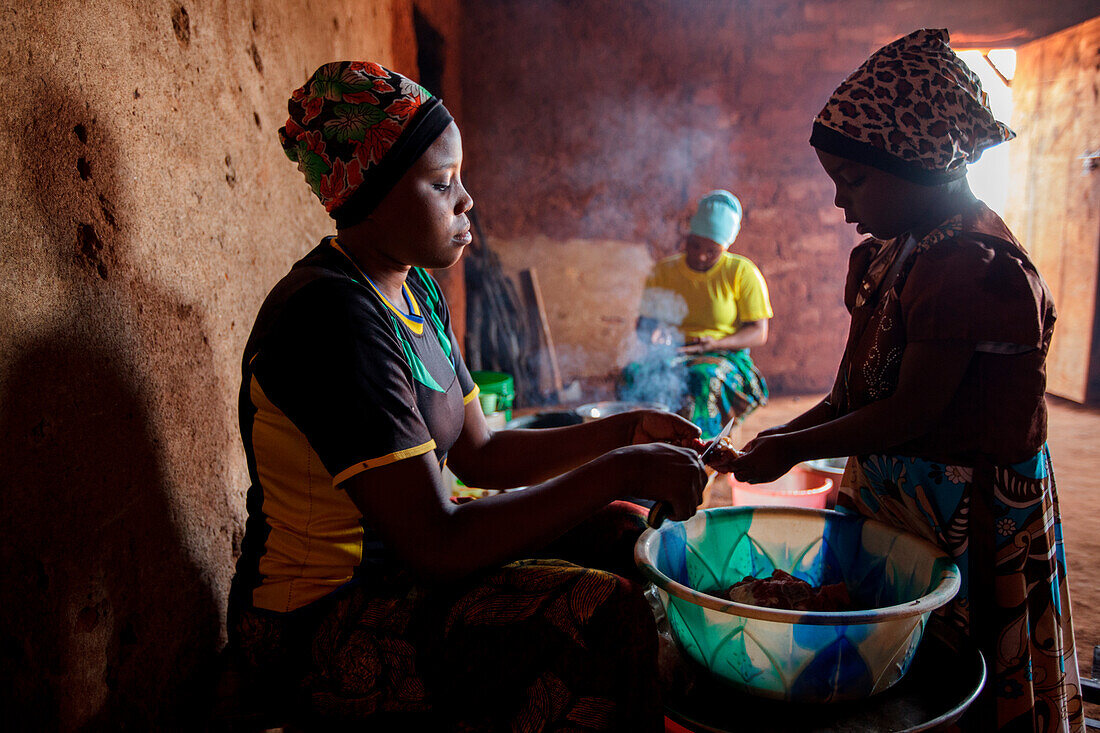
x: 701, y: 312
x: 362, y: 590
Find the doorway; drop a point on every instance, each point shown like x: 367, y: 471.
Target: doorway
x: 1053, y: 204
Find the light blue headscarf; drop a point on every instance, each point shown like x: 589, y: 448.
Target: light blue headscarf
x: 718, y: 217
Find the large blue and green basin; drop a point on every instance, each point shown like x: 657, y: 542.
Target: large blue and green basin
x: 896, y: 580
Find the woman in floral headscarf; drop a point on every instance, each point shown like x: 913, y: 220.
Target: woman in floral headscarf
x: 361, y: 591
x: 939, y: 398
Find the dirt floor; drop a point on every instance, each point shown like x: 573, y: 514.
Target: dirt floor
x: 1075, y: 449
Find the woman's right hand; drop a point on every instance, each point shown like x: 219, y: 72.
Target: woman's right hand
x: 663, y: 472
x: 752, y: 444
x: 764, y: 459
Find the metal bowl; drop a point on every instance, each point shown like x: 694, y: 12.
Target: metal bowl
x: 553, y: 419
x: 596, y: 410
x: 828, y: 465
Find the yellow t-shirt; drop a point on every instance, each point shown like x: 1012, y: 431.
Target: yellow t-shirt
x: 711, y: 304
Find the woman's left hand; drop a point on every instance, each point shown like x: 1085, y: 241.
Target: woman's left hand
x: 764, y: 459
x: 658, y: 426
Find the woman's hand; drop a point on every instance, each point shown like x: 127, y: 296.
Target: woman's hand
x: 658, y: 426
x: 667, y: 473
x: 699, y: 346
x: 764, y: 459
x: 663, y: 336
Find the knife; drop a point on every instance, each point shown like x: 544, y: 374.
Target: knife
x: 660, y: 510
x: 725, y: 433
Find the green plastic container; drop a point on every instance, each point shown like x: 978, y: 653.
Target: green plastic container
x: 498, y: 392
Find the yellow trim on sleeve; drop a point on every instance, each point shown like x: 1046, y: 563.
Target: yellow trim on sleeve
x: 470, y: 397
x: 382, y: 461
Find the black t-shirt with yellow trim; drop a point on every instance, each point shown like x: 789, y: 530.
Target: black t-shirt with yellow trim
x: 336, y: 380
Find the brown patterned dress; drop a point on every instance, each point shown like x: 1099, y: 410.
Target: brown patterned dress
x: 560, y: 642
x: 980, y: 483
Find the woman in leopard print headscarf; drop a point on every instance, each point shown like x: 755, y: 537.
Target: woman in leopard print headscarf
x: 939, y: 398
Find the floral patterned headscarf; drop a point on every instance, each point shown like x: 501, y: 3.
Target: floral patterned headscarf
x: 354, y: 129
x: 913, y: 109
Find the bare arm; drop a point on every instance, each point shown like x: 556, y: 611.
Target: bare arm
x: 751, y: 334
x: 439, y: 541
x: 930, y: 374
x: 819, y: 413
x: 508, y: 458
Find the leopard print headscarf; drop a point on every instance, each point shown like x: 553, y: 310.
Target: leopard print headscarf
x: 913, y: 109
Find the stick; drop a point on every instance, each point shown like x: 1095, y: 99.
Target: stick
x: 531, y: 282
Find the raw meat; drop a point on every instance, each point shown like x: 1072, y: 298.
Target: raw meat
x: 783, y: 590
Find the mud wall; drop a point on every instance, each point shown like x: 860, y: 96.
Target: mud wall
x: 147, y: 209
x: 593, y: 127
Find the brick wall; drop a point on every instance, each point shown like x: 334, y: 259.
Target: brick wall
x: 604, y: 120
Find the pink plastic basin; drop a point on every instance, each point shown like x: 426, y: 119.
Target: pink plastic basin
x: 832, y: 468
x: 798, y: 487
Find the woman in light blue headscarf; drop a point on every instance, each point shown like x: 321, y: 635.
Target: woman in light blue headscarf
x: 701, y: 312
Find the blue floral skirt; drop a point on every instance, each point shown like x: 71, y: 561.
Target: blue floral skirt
x: 1002, y: 526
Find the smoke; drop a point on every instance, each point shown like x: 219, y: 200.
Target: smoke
x: 658, y: 372
x: 666, y: 307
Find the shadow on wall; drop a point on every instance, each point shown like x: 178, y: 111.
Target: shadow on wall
x: 106, y: 621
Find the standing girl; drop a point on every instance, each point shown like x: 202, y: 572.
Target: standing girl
x: 939, y: 398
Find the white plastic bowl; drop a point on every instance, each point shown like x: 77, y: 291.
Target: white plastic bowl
x: 811, y: 656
